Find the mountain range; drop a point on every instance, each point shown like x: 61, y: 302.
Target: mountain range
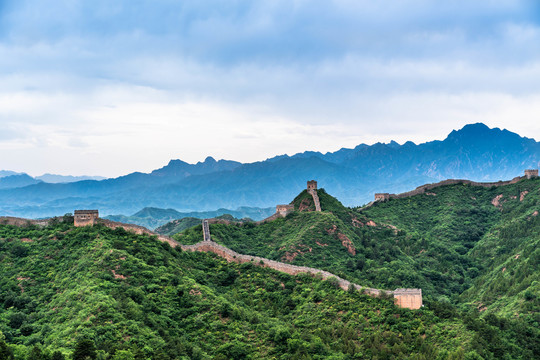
x: 475, y: 152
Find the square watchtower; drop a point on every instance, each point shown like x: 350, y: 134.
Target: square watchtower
x: 531, y: 173
x: 85, y: 217
x: 311, y: 185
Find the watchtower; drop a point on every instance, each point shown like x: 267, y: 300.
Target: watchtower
x: 382, y: 196
x: 283, y: 210
x: 311, y: 185
x: 530, y: 173
x: 85, y: 217
x: 408, y: 298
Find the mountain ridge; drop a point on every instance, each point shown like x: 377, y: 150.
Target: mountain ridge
x: 475, y: 152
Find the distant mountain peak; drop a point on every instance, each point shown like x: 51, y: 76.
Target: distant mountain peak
x: 472, y: 131
x: 210, y: 160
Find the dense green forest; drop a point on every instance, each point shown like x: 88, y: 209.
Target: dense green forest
x: 108, y: 294
x: 111, y: 294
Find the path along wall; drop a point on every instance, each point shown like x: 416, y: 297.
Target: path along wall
x: 422, y: 189
x: 414, y: 301
x: 233, y: 256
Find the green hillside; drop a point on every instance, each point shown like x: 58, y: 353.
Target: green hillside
x: 473, y: 233
x: 129, y: 296
x: 179, y: 225
x: 469, y: 248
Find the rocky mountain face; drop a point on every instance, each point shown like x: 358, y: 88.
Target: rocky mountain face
x: 474, y: 152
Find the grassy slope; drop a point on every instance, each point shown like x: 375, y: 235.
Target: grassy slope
x: 132, y: 292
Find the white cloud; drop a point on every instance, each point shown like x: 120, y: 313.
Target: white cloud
x: 128, y: 86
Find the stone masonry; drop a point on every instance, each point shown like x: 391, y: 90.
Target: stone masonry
x: 408, y: 298
x: 206, y: 230
x: 423, y: 188
x: 531, y: 173
x: 283, y: 210
x: 312, y: 189
x: 85, y: 217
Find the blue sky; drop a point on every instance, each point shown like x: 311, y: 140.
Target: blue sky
x: 127, y: 85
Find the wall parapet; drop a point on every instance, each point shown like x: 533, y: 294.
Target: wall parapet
x: 407, y: 298
x: 423, y: 188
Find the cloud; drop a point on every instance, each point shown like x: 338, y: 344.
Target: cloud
x: 131, y: 84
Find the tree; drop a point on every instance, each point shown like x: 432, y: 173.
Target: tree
x: 84, y: 350
x: 123, y: 355
x: 35, y: 354
x: 5, y: 351
x: 57, y: 355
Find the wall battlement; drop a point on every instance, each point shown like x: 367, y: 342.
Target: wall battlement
x: 283, y: 210
x: 312, y: 189
x: 531, y: 173
x: 85, y: 217
x: 406, y: 298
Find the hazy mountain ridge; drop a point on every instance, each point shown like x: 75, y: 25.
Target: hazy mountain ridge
x: 15, y: 181
x: 154, y: 217
x: 353, y: 175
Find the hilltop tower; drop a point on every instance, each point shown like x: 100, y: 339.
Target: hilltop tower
x: 531, y: 173
x: 311, y: 185
x: 382, y: 196
x: 85, y: 217
x: 283, y: 210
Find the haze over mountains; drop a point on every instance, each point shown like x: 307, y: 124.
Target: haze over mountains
x: 475, y: 152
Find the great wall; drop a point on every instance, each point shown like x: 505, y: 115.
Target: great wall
x: 406, y: 298
x: 529, y: 174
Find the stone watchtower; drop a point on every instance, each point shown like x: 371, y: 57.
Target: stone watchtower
x: 382, y: 196
x: 283, y: 210
x: 531, y: 173
x: 408, y: 298
x: 85, y: 217
x: 311, y: 185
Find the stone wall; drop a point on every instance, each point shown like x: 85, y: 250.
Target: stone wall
x: 15, y: 221
x: 206, y: 230
x: 233, y: 256
x: 382, y: 196
x: 283, y: 210
x: 315, y: 199
x: 422, y: 189
x: 139, y: 230
x: 85, y: 217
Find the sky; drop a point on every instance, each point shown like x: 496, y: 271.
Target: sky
x: 108, y: 87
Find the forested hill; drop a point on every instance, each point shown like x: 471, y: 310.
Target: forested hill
x: 470, y: 248
x: 99, y: 293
